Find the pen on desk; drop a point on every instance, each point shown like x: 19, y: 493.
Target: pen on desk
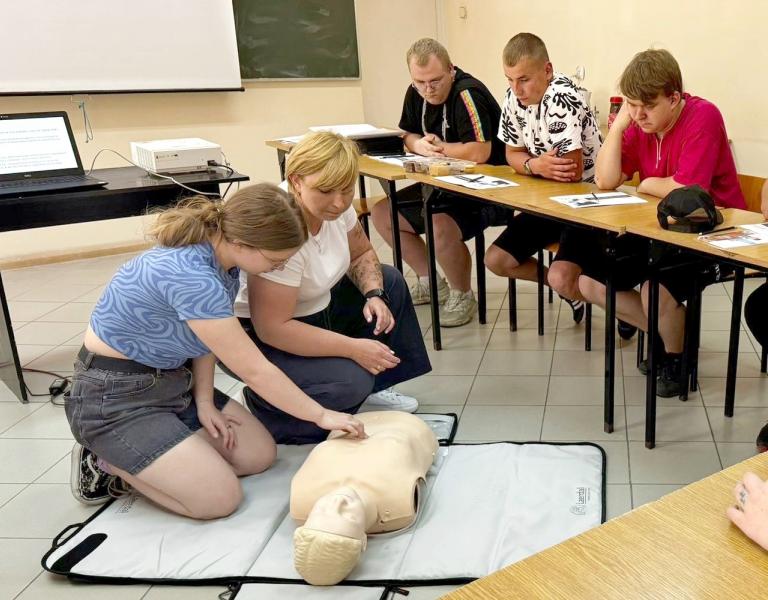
x: 706, y: 233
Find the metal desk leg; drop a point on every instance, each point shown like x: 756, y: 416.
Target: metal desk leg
x: 391, y: 191
x: 427, y: 191
x: 480, y: 265
x: 363, y: 196
x: 540, y: 289
x: 650, y: 381
x: 610, y: 342
x: 281, y: 163
x: 10, y: 367
x: 733, y: 345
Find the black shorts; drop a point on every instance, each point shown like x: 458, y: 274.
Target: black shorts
x: 680, y: 274
x: 527, y: 234
x: 471, y: 216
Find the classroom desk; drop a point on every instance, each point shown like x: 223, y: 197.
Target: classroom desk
x: 533, y: 196
x: 384, y: 173
x: 680, y: 546
x: 750, y: 256
x: 129, y: 192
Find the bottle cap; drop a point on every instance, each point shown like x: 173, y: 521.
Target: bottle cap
x: 617, y: 99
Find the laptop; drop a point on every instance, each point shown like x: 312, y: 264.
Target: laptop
x: 38, y: 154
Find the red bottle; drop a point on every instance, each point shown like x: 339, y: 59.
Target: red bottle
x: 616, y: 102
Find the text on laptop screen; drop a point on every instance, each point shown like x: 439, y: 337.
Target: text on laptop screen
x: 34, y: 145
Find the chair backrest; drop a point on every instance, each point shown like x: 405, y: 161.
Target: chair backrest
x: 751, y: 187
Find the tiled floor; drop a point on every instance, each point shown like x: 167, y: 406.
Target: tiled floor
x: 504, y: 386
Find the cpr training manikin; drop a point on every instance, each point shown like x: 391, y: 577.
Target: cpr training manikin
x: 348, y: 488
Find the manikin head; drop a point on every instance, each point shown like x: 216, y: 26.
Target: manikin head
x: 653, y: 85
x: 527, y: 68
x: 329, y: 544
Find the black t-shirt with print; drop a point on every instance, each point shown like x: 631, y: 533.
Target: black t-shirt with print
x: 471, y: 115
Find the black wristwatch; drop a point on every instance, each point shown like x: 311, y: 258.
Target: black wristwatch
x: 377, y: 293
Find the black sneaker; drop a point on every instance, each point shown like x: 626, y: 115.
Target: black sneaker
x: 89, y: 483
x: 578, y: 307
x: 762, y: 439
x: 626, y: 331
x: 668, y: 381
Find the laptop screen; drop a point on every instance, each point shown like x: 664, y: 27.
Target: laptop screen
x: 37, y: 145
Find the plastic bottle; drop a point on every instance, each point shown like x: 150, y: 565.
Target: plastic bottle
x: 616, y: 102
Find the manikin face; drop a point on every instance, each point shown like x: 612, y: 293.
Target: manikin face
x: 325, y: 205
x: 341, y: 512
x: 529, y: 79
x: 658, y: 115
x: 433, y: 81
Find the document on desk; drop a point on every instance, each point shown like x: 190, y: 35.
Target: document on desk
x: 477, y: 182
x: 393, y: 159
x: 359, y: 131
x: 292, y: 139
x: 601, y: 199
x: 737, y: 237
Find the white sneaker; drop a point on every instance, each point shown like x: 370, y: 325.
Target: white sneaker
x: 459, y: 309
x: 420, y: 291
x: 389, y: 399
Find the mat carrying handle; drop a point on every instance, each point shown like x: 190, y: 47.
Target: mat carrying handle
x: 58, y: 542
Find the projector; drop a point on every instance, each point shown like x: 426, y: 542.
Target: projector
x: 186, y: 155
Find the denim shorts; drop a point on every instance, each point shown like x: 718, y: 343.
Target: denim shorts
x: 130, y: 419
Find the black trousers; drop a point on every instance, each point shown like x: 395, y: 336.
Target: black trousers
x: 340, y: 383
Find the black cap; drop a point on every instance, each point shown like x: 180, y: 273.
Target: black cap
x: 688, y: 209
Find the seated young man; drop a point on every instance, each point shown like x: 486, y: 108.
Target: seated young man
x: 550, y: 132
x: 672, y: 139
x: 446, y: 113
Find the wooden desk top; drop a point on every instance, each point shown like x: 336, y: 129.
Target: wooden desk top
x: 533, y: 196
x: 648, y: 226
x: 681, y: 546
x: 368, y: 166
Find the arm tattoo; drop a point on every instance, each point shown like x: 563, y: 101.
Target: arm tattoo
x: 365, y: 270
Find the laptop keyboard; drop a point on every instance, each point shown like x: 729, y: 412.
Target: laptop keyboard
x: 33, y: 183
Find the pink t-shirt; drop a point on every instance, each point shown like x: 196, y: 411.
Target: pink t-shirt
x: 694, y: 152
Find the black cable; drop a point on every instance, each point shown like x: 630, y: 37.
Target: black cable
x: 66, y: 383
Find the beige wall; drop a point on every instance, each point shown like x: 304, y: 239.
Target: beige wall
x: 721, y: 47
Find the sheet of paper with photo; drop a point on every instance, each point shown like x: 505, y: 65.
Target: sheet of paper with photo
x: 737, y: 237
x: 478, y: 182
x: 393, y: 159
x: 600, y: 199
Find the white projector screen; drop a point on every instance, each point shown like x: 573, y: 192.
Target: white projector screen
x: 79, y: 46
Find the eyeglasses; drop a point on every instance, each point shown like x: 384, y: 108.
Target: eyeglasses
x: 433, y: 84
x: 276, y: 265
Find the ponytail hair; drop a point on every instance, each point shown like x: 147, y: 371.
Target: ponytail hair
x: 260, y: 216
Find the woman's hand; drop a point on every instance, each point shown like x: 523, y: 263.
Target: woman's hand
x: 373, y: 356
x: 751, y: 511
x: 376, y: 308
x: 217, y: 423
x: 339, y: 421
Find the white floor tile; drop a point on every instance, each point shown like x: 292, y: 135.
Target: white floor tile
x: 59, y: 360
x: 734, y: 452
x: 25, y: 460
x: 569, y: 362
x: 55, y: 292
x: 13, y: 412
x: 500, y: 423
x: 454, y: 362
x: 673, y: 423
x: 9, y: 490
x: 48, y: 334
x: 20, y: 564
x: 52, y: 586
x: 41, y: 510
x: 672, y: 462
x: 165, y: 592
x: 570, y: 423
x: 522, y: 339
x: 743, y: 426
x: 438, y: 389
x: 618, y: 500
x: 58, y: 473
x: 73, y: 312
x: 515, y: 362
x: 30, y: 311
x: 750, y: 391
x: 575, y: 390
x: 505, y: 390
x: 49, y: 422
x: 644, y: 493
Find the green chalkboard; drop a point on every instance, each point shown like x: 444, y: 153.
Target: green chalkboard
x: 293, y: 39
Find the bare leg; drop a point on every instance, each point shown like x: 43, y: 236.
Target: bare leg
x: 503, y: 264
x: 412, y: 245
x: 198, y: 478
x: 629, y: 307
x: 671, y: 319
x: 563, y: 277
x: 452, y: 253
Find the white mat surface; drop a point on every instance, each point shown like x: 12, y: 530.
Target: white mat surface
x: 487, y: 506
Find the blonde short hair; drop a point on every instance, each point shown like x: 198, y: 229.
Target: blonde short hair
x: 524, y: 45
x: 650, y: 73
x: 323, y: 558
x: 260, y: 216
x: 332, y: 155
x: 422, y: 49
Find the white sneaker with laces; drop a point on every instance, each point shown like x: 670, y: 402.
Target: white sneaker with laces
x: 420, y: 291
x: 459, y: 309
x: 389, y: 399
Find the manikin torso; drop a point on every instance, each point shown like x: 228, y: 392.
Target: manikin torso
x: 384, y: 469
